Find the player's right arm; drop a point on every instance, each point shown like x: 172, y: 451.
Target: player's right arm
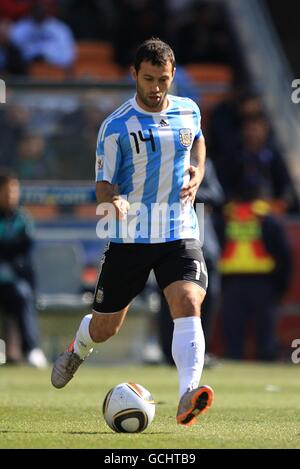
x: 108, y: 161
x: 107, y: 193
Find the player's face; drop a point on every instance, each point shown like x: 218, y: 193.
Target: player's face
x: 10, y: 194
x: 152, y: 85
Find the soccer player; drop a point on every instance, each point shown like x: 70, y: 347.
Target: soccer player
x: 144, y: 172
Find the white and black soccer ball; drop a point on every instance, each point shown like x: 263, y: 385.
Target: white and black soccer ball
x: 128, y: 408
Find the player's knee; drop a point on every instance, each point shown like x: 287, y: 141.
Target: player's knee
x: 189, y: 305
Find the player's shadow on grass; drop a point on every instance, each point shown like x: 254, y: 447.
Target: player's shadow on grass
x: 78, y: 433
x: 68, y: 433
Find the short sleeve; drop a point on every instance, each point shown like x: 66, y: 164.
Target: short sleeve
x: 108, y: 155
x: 197, y: 119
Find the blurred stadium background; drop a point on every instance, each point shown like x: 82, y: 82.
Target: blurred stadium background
x: 53, y: 110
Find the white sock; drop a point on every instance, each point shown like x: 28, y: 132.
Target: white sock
x: 188, y: 349
x: 83, y: 344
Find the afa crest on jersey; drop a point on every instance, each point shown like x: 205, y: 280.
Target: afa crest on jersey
x: 185, y: 137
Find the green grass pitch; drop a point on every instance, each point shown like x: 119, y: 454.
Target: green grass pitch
x: 256, y: 406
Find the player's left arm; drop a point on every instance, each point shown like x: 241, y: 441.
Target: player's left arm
x: 196, y: 170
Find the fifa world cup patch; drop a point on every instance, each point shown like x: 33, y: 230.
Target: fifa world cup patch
x: 99, y: 295
x: 99, y: 164
x: 185, y: 137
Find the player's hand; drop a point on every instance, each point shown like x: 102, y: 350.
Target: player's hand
x: 122, y: 207
x: 189, y: 191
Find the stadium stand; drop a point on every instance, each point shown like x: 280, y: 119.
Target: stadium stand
x: 91, y: 51
x: 96, y: 70
x: 95, y: 60
x: 210, y: 73
x: 214, y: 80
x: 42, y: 71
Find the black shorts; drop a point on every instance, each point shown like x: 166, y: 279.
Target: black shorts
x: 125, y: 268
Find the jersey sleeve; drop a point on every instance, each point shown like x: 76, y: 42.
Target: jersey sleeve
x: 197, y: 119
x: 108, y: 155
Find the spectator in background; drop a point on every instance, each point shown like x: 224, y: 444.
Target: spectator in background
x: 136, y: 21
x: 249, y: 106
x: 31, y: 163
x: 258, y: 164
x: 92, y: 20
x: 178, y: 14
x: 11, y: 60
x: 243, y: 147
x: 13, y: 122
x: 224, y: 130
x: 75, y: 137
x: 16, y: 273
x: 256, y: 269
x: 205, y: 37
x: 43, y: 37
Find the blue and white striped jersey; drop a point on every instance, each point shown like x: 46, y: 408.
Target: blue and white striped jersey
x: 147, y: 154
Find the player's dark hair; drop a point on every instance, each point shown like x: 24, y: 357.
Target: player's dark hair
x: 6, y: 175
x: 155, y: 51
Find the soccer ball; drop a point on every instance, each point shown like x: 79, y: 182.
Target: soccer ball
x: 128, y: 408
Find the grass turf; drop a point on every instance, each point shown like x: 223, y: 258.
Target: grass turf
x: 256, y: 406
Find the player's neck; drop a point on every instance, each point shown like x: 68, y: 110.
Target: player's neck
x: 164, y: 105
